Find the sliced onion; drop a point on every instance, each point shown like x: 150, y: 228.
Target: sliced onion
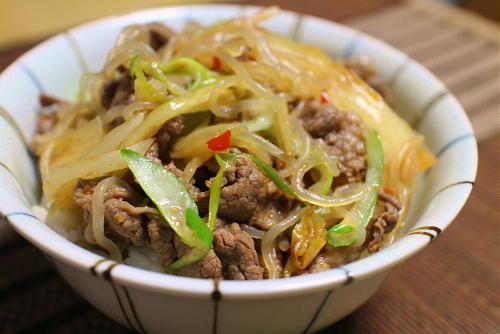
x: 189, y: 170
x: 254, y: 232
x: 194, y: 144
x: 258, y: 146
x: 281, y: 116
x: 112, y: 140
x: 90, y: 167
x: 343, y: 195
x: 98, y: 198
x: 213, y: 100
x: 268, y: 246
x: 112, y: 114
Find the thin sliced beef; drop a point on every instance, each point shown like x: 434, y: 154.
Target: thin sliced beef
x: 247, y: 189
x: 161, y: 238
x: 48, y: 118
x: 208, y: 267
x: 122, y: 219
x: 158, y: 151
x: 270, y: 214
x: 331, y: 257
x: 119, y: 90
x: 47, y: 100
x: 200, y: 197
x: 236, y: 251
x: 117, y: 211
x: 83, y: 197
x: 46, y: 122
x: 342, y: 132
x: 170, y: 129
x: 153, y: 153
x: 320, y: 119
x: 125, y: 223
x: 159, y: 35
x: 384, y: 222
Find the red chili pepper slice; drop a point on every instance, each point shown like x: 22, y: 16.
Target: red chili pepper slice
x: 215, y: 63
x: 221, y: 142
x: 390, y: 192
x: 324, y: 97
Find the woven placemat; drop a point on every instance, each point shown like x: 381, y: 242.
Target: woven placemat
x: 459, y: 48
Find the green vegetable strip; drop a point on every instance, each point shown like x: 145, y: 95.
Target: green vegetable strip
x: 327, y: 186
x: 174, y: 203
x: 342, y: 229
x: 365, y: 207
x: 324, y: 185
x: 152, y: 68
x: 215, y: 189
x: 204, y: 237
x: 274, y: 176
x: 186, y: 66
x: 142, y: 81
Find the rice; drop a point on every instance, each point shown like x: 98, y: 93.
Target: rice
x: 144, y: 258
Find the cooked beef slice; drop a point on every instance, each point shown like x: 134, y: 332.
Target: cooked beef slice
x: 384, y: 222
x: 236, y: 251
x: 320, y: 119
x: 161, y: 238
x: 208, y: 267
x: 331, y: 257
x: 369, y: 74
x: 153, y: 153
x: 342, y: 132
x: 200, y: 197
x: 246, y: 189
x: 47, y: 100
x: 119, y: 90
x: 121, y: 217
x: 170, y: 129
x: 270, y: 214
x: 46, y: 122
x: 159, y: 35
x: 48, y: 118
x: 125, y: 223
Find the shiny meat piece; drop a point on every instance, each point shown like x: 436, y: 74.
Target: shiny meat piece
x: 384, y: 222
x: 170, y: 129
x: 161, y: 238
x: 121, y: 217
x: 153, y: 153
x: 208, y: 267
x: 246, y: 189
x: 236, y: 251
x: 117, y: 91
x: 46, y: 122
x: 320, y: 119
x: 272, y: 213
x: 342, y: 132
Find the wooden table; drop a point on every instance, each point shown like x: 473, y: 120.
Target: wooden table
x: 450, y: 287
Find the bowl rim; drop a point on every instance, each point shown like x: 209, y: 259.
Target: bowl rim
x: 63, y: 250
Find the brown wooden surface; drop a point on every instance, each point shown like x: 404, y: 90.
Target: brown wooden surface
x: 450, y: 287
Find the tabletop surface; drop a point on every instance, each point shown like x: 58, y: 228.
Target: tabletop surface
x: 449, y: 287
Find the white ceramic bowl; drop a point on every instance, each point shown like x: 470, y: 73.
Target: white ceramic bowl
x: 156, y: 303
